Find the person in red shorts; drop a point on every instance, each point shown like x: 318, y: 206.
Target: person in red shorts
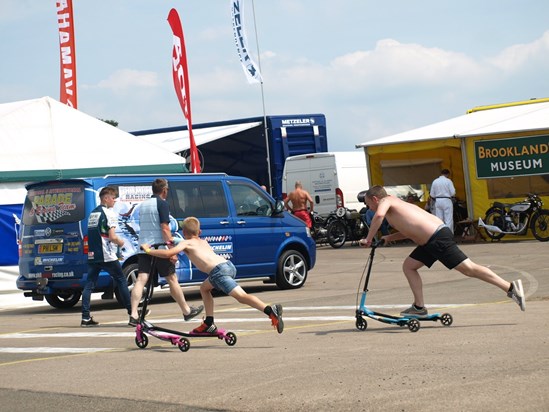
x: 298, y: 200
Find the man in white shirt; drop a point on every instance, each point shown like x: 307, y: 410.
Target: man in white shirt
x: 442, y: 191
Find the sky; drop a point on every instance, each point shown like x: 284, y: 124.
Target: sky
x: 374, y: 68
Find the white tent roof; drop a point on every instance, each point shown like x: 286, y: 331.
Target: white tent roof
x: 179, y: 140
x: 45, y: 139
x: 525, y: 117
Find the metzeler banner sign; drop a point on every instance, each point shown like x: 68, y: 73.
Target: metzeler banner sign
x: 523, y: 156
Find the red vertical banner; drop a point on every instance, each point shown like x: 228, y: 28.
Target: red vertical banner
x: 67, y: 52
x: 181, y: 82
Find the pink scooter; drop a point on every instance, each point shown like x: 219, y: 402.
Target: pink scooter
x: 176, y: 338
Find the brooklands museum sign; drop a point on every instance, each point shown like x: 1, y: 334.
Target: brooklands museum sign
x: 521, y: 156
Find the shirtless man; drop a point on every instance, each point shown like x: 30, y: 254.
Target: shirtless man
x: 436, y: 242
x: 221, y: 274
x: 299, y: 198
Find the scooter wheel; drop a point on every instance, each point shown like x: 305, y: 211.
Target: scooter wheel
x: 184, y: 344
x: 414, y: 325
x: 361, y: 323
x: 446, y: 319
x: 142, y: 344
x: 230, y: 339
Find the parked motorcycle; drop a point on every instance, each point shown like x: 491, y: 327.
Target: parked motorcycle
x: 514, y: 219
x: 319, y: 230
x: 348, y: 225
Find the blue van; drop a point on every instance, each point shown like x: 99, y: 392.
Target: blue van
x: 238, y: 218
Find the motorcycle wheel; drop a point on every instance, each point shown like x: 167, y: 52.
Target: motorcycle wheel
x: 540, y: 225
x: 494, y: 218
x: 337, y: 234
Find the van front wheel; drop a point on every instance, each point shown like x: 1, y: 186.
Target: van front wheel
x: 64, y: 300
x: 292, y: 270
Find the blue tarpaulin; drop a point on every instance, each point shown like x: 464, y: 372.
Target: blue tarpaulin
x: 8, y: 234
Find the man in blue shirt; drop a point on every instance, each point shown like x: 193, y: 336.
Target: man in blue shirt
x: 103, y: 244
x: 154, y: 227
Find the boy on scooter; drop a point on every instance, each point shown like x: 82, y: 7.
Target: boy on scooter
x: 221, y: 274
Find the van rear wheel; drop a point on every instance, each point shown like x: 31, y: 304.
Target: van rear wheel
x: 64, y: 300
x: 291, y: 271
x: 130, y: 273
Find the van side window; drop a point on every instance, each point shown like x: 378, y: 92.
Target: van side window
x: 250, y: 201
x: 199, y: 199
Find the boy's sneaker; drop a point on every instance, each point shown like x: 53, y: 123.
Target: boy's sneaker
x: 86, y: 323
x: 194, y: 311
x: 413, y: 311
x: 276, y: 318
x: 204, y: 328
x: 517, y: 294
x: 133, y: 321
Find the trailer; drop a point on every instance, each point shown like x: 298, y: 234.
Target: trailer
x: 254, y: 147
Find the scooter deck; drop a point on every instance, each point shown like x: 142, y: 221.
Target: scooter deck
x: 219, y: 333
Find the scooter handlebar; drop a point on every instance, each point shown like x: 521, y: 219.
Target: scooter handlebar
x: 172, y: 242
x: 380, y: 242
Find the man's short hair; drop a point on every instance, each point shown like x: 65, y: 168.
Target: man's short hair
x: 377, y: 191
x: 159, y: 185
x: 298, y: 184
x: 445, y: 172
x: 107, y: 190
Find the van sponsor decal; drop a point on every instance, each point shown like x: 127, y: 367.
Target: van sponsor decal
x: 51, y: 204
x: 52, y: 260
x: 220, y: 248
x: 134, y: 193
x: 69, y: 274
x: 222, y: 238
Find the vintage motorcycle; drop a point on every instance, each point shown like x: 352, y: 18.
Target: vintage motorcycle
x: 348, y: 225
x: 319, y: 230
x: 514, y: 219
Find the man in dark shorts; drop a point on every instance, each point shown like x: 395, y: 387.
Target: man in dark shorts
x: 436, y: 242
x: 154, y: 227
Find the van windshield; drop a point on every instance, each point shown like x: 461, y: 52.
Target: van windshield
x: 54, y: 203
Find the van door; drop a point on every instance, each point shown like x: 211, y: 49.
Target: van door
x: 258, y: 235
x: 205, y: 200
x: 317, y: 173
x: 54, y: 222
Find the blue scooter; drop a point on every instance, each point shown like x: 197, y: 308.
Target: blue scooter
x: 411, y: 321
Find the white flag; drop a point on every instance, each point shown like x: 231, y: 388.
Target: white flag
x: 250, y: 67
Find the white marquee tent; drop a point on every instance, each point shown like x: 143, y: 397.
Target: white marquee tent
x: 43, y: 139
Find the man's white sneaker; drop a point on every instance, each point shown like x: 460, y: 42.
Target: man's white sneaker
x: 517, y: 294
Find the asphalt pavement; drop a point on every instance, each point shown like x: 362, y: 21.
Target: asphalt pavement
x: 493, y: 357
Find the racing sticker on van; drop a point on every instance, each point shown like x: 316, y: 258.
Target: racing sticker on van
x: 54, y: 204
x: 222, y: 245
x: 134, y: 193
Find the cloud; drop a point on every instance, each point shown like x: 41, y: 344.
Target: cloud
x: 127, y: 79
x: 515, y: 57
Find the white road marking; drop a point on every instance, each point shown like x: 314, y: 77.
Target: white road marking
x: 44, y: 349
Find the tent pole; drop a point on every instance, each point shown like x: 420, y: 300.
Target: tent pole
x: 270, y: 183
x: 468, y: 192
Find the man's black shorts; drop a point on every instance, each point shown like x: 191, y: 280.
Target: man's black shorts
x: 441, y: 247
x: 164, y: 267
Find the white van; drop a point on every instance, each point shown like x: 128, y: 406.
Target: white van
x: 333, y: 179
